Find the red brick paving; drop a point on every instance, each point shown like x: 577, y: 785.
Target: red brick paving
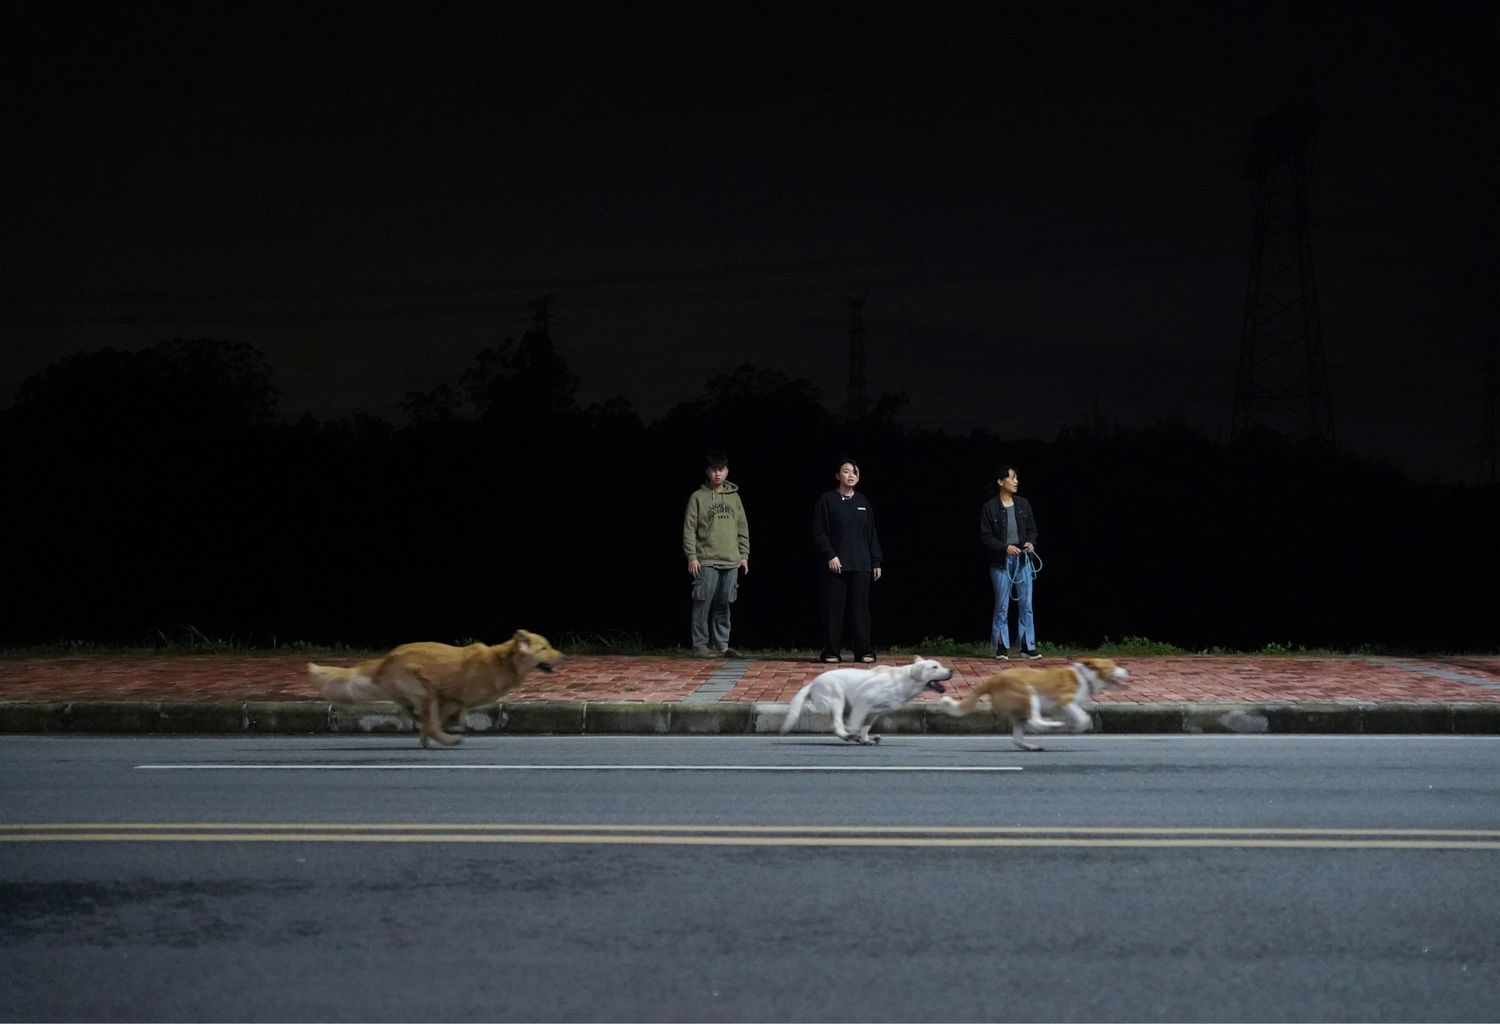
x: 1194, y: 679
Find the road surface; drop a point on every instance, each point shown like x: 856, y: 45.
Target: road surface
x: 750, y: 878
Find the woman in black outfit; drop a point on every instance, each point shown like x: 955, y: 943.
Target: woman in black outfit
x: 844, y: 535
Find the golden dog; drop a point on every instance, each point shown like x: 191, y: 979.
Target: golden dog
x: 436, y: 681
x: 1026, y: 691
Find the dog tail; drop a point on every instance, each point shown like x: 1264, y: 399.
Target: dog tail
x: 344, y: 685
x: 794, y: 710
x: 952, y: 706
x: 959, y: 708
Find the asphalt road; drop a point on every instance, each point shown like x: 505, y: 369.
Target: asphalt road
x: 755, y: 878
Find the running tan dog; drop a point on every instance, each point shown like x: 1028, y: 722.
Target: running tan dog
x: 1026, y: 691
x: 436, y: 681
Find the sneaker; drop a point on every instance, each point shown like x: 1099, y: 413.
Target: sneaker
x: 703, y: 652
x: 1002, y: 655
x: 730, y: 652
x: 1031, y: 655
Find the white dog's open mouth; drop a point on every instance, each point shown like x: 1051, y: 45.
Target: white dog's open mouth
x: 933, y: 684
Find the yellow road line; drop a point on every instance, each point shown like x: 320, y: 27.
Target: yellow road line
x: 970, y: 830
x: 952, y: 837
x: 705, y: 840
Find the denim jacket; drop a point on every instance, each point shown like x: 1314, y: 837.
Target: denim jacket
x: 992, y: 527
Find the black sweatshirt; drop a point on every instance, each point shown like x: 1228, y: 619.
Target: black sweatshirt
x: 846, y: 527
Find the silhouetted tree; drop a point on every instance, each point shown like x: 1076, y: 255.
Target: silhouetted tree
x: 438, y: 407
x: 219, y: 388
x: 142, y: 471
x: 521, y: 380
x: 154, y: 489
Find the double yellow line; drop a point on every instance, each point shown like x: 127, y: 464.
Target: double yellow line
x: 954, y: 837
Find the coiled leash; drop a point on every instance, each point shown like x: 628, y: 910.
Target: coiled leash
x: 1014, y: 574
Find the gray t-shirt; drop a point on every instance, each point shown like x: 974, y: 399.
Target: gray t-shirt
x: 1012, y: 531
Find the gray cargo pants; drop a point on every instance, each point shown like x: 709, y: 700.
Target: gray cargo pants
x: 713, y: 592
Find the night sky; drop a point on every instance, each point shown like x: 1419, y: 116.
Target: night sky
x: 1043, y: 206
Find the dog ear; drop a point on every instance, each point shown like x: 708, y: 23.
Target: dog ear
x: 522, y: 639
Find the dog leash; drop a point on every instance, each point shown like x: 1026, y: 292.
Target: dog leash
x: 1029, y: 557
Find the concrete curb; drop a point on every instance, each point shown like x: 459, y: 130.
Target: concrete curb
x: 600, y: 718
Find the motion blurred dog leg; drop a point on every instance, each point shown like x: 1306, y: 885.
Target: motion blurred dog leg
x: 1081, y: 720
x: 1035, y: 719
x: 432, y: 722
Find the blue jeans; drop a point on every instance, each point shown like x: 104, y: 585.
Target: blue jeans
x: 1017, y: 568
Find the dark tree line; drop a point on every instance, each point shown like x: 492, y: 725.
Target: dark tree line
x: 149, y: 491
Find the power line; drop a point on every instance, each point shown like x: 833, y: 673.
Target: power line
x: 988, y: 253
x: 1129, y: 262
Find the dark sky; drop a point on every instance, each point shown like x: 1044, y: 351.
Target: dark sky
x: 1045, y: 209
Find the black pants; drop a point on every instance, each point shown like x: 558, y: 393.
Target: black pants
x: 846, y: 594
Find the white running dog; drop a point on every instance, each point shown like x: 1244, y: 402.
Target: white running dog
x: 866, y: 693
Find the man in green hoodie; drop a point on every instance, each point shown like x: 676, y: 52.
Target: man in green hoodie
x: 716, y: 542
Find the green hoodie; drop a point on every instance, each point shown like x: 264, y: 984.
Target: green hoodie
x: 715, y: 530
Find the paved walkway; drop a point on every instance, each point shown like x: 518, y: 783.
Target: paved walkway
x: 650, y: 680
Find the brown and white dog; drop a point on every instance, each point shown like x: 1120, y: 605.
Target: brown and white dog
x: 437, y: 681
x: 1019, y: 692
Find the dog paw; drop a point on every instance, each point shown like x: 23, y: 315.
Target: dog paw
x: 874, y: 739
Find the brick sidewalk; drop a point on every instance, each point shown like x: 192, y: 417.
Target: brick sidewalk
x: 1175, y: 679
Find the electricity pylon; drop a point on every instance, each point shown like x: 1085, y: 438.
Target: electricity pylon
x: 858, y: 402
x: 1282, y: 382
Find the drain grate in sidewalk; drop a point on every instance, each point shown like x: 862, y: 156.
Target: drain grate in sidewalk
x: 1411, y: 665
x: 717, y: 686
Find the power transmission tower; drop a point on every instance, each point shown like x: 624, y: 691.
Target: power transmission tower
x: 539, y: 315
x: 1282, y: 381
x: 1487, y: 426
x: 858, y: 403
